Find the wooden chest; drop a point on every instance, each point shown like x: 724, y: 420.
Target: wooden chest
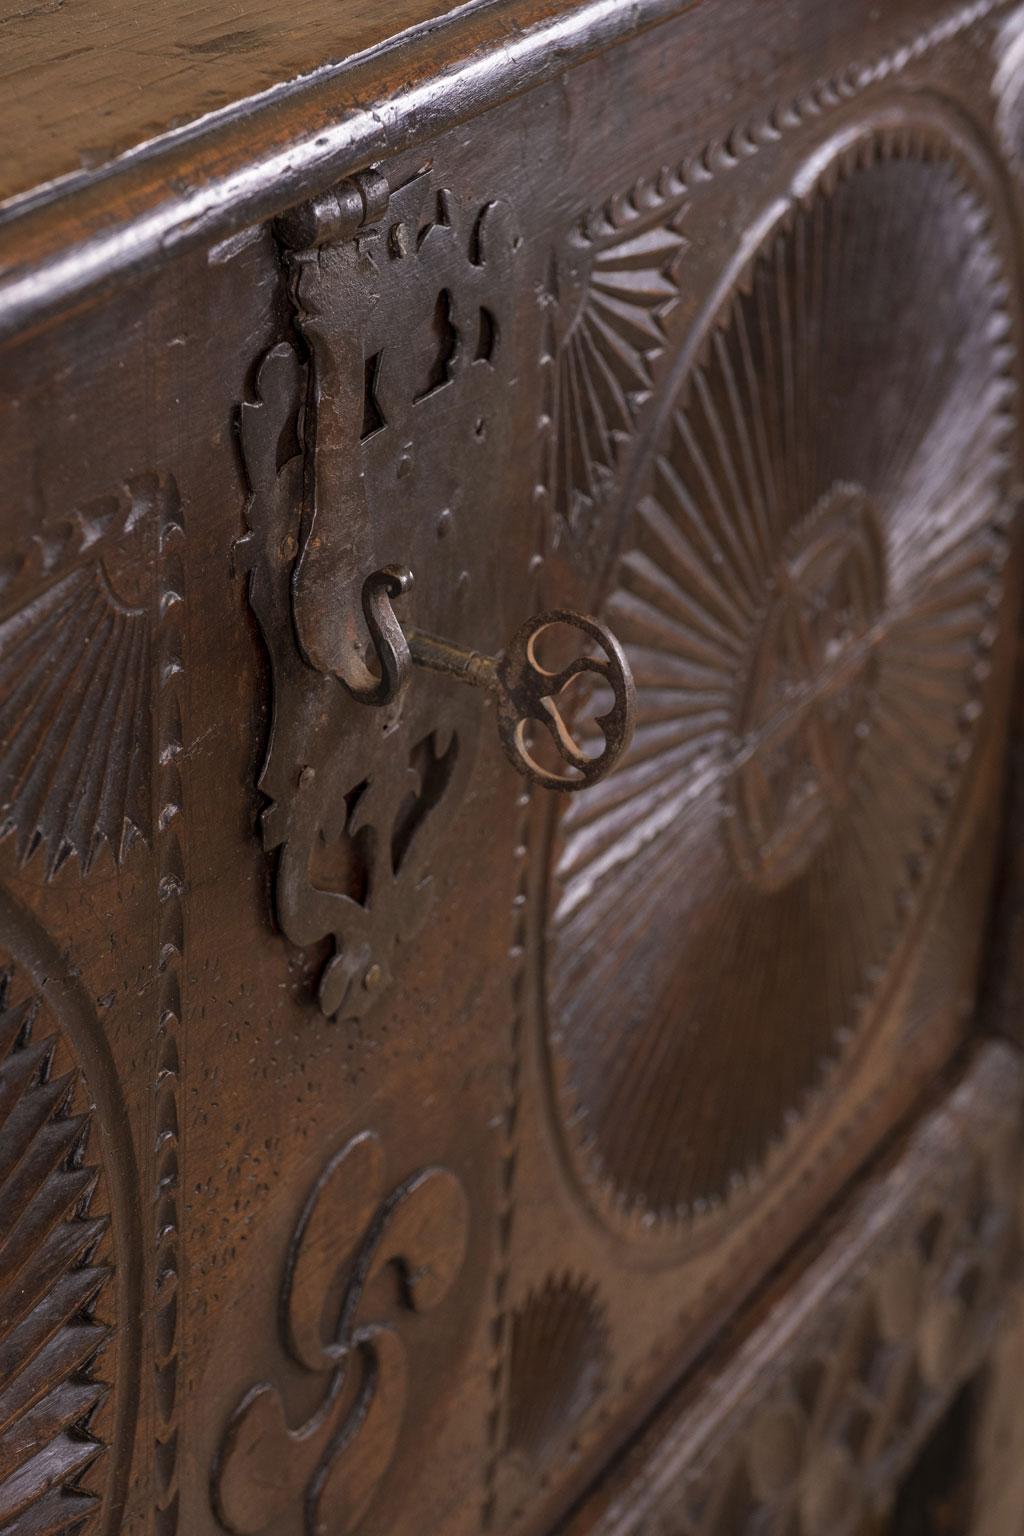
x: 392, y: 1141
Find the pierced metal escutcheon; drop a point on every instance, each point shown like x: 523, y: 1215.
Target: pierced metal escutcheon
x: 525, y: 689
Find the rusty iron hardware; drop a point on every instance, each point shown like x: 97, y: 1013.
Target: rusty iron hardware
x: 525, y: 690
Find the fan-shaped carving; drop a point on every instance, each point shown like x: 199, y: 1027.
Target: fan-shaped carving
x: 607, y: 312
x: 50, y: 1279
x: 76, y: 679
x: 809, y: 595
x: 557, y: 1361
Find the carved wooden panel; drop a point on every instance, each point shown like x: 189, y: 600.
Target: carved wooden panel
x: 808, y: 1424
x: 810, y: 592
x: 787, y: 478
x: 412, y: 1241
x: 69, y: 1294
x: 381, y: 1139
x: 76, y: 668
x: 815, y: 578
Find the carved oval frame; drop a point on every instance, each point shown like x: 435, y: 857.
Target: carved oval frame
x: 804, y: 1151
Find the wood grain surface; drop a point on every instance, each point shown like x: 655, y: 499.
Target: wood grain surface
x: 384, y: 1140
x: 82, y: 81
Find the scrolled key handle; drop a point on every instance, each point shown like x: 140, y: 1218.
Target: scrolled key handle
x: 526, y: 690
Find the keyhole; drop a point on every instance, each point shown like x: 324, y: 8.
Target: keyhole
x: 373, y: 416
x: 487, y: 337
x: 446, y: 344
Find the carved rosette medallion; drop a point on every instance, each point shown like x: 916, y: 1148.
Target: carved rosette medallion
x: 64, y: 1430
x: 364, y: 1263
x: 809, y: 592
x: 810, y: 679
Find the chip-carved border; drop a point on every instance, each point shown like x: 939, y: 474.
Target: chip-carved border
x: 166, y: 1142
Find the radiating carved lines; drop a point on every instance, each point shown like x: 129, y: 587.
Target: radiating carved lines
x: 669, y: 188
x: 595, y: 387
x: 558, y: 1357
x: 605, y: 312
x: 76, y: 679
x: 676, y: 181
x: 817, y: 399
x: 74, y: 765
x: 171, y: 924
x: 50, y: 1279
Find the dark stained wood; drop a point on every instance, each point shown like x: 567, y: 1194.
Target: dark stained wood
x: 248, y: 165
x: 386, y: 1143
x: 842, y: 1373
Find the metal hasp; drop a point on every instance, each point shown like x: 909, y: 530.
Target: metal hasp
x: 525, y: 690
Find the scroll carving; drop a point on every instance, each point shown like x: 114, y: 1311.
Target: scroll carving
x: 353, y: 1245
x: 403, y: 302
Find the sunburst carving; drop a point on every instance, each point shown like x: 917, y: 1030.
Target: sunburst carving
x: 558, y: 1358
x: 809, y: 596
x: 50, y: 1279
x: 74, y: 672
x: 76, y: 681
x: 606, y: 310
